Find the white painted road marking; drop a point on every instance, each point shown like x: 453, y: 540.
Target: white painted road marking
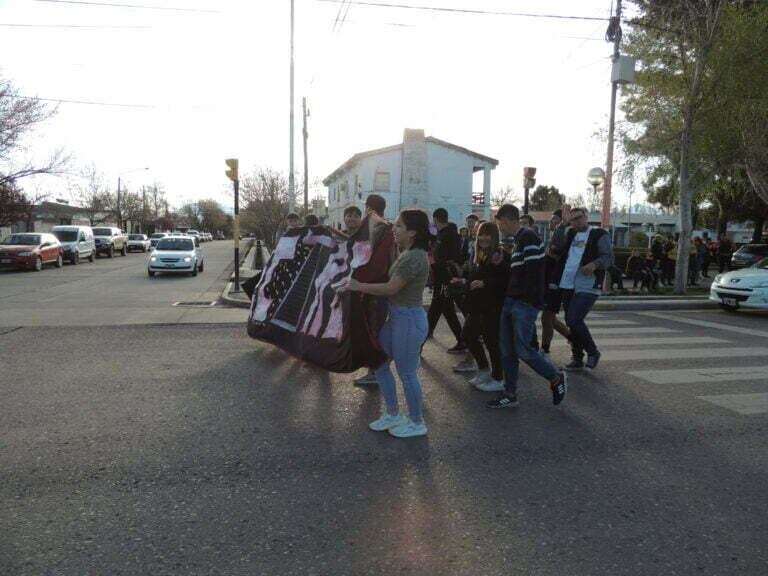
x: 651, y: 341
x: 741, y: 403
x: 702, y: 375
x: 631, y: 330
x: 707, y: 324
x: 684, y: 353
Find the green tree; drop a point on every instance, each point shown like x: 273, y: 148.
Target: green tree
x: 546, y: 198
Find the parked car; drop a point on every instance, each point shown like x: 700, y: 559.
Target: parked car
x: 747, y: 288
x: 138, y: 242
x: 153, y: 239
x: 194, y: 233
x: 31, y: 251
x: 110, y: 240
x: 748, y: 255
x: 77, y: 241
x: 219, y: 235
x: 176, y: 254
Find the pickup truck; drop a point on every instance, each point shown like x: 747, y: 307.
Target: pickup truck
x: 110, y: 240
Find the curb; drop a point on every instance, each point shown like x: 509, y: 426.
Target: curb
x: 228, y: 299
x: 630, y: 305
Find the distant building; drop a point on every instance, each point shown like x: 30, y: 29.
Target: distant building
x: 420, y: 172
x: 46, y: 215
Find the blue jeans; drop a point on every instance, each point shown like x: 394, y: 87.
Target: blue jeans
x: 401, y: 338
x: 577, y: 306
x: 518, y: 325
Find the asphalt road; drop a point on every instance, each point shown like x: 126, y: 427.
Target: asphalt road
x: 113, y: 292
x: 190, y: 449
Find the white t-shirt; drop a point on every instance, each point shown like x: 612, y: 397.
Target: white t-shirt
x: 575, y: 254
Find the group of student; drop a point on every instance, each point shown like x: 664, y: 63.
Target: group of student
x: 501, y: 276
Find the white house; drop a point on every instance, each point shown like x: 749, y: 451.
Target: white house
x: 421, y: 172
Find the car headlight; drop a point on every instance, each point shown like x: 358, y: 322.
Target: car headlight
x: 25, y: 253
x: 153, y: 258
x: 187, y: 259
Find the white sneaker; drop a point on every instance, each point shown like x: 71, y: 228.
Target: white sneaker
x: 409, y: 430
x: 482, y: 377
x: 387, y: 421
x: 491, y: 386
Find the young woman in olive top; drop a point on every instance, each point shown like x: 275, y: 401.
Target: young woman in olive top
x: 405, y: 330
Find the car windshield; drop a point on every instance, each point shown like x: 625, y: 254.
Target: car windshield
x: 66, y: 235
x: 102, y: 232
x: 181, y: 244
x: 135, y: 237
x: 762, y: 264
x: 22, y: 239
x: 157, y: 236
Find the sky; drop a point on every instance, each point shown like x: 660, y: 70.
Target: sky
x: 192, y: 82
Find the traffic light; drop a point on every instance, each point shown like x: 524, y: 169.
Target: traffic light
x: 232, y: 172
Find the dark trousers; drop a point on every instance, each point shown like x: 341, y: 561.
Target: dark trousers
x: 705, y: 267
x: 723, y: 263
x: 668, y: 272
x: 485, y: 324
x: 442, y: 305
x: 577, y: 306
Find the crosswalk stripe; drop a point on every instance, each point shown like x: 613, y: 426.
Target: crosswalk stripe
x: 702, y: 375
x: 607, y: 322
x: 651, y: 341
x: 683, y: 353
x: 707, y: 324
x: 742, y: 403
x: 604, y: 331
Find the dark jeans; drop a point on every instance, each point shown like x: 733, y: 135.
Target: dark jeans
x: 724, y: 262
x: 577, y: 306
x: 485, y: 324
x: 442, y: 305
x: 516, y: 329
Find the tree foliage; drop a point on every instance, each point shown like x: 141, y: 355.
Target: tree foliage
x: 264, y: 204
x: 546, y: 198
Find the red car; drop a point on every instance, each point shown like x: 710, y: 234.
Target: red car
x: 31, y: 251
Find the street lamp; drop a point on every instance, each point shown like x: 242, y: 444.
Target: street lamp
x: 119, y: 214
x: 596, y: 177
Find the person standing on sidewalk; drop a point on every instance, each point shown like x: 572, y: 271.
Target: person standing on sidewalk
x: 447, y: 255
x: 487, y: 282
x: 523, y: 301
x: 405, y: 330
x: 724, y: 253
x: 587, y: 253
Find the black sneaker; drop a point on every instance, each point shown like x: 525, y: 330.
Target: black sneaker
x: 559, y: 388
x: 574, y: 364
x: 593, y: 360
x: 503, y: 400
x: 458, y: 349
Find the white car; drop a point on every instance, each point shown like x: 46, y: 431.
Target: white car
x: 138, y: 242
x: 745, y: 288
x: 176, y: 254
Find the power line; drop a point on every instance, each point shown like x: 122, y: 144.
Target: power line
x: 80, y: 26
x: 97, y: 103
x: 464, y: 10
x: 141, y: 6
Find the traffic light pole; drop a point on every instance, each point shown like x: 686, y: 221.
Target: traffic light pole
x: 236, y: 229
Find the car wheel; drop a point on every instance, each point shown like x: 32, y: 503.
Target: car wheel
x: 201, y: 266
x: 38, y: 264
x: 124, y: 251
x: 194, y: 270
x: 111, y: 252
x: 75, y: 259
x: 59, y: 261
x: 92, y: 257
x: 150, y: 273
x: 728, y: 308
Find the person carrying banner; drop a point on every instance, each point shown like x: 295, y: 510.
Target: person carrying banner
x: 406, y: 327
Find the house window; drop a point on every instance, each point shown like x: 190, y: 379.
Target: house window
x: 381, y: 182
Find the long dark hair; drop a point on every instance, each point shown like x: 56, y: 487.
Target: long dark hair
x: 418, y: 222
x: 486, y: 229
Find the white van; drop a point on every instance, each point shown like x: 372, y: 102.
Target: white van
x: 77, y: 242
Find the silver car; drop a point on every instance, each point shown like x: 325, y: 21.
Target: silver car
x: 176, y: 254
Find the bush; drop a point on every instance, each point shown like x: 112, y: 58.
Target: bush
x: 638, y: 240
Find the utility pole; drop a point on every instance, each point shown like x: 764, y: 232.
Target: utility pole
x: 119, y: 214
x: 614, y: 34
x: 232, y: 174
x: 291, y: 183
x: 528, y: 182
x: 306, y: 169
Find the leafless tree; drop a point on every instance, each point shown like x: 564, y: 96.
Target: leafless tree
x: 264, y: 203
x: 18, y: 117
x: 505, y: 195
x: 91, y: 194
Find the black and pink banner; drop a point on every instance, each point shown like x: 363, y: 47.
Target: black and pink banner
x: 296, y: 307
